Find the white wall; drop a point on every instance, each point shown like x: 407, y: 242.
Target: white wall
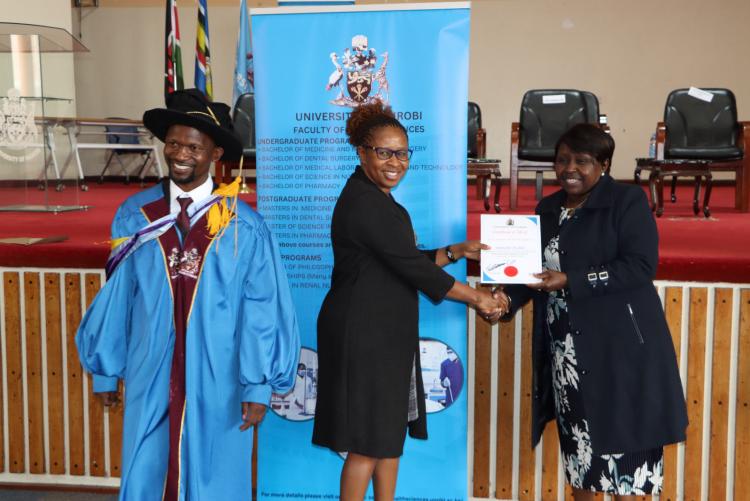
x: 123, y: 75
x: 631, y: 54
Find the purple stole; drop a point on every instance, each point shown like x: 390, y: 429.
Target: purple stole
x: 184, y: 263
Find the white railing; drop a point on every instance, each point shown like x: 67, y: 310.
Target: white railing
x: 718, y: 415
x: 24, y: 472
x: 711, y: 322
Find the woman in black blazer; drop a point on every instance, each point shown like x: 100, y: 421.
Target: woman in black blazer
x: 603, y: 359
x: 370, y: 382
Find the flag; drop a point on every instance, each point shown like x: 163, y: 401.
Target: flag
x: 203, y: 53
x: 244, y: 79
x: 173, y: 54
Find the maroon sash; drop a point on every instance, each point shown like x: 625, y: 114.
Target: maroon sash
x: 184, y: 263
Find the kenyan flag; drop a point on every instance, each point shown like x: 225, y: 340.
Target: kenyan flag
x: 173, y: 54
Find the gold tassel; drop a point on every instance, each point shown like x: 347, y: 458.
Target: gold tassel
x: 221, y: 214
x: 116, y: 242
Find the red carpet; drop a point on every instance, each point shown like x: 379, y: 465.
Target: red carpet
x: 691, y: 248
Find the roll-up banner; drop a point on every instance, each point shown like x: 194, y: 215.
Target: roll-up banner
x: 313, y: 65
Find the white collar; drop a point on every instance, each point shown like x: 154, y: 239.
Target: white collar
x: 198, y: 194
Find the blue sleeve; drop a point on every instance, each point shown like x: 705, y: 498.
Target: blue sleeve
x: 119, y: 227
x: 102, y: 335
x: 269, y: 336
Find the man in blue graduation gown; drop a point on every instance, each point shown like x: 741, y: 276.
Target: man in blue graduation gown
x: 196, y: 319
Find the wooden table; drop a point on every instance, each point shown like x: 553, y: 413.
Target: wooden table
x: 699, y: 169
x: 485, y: 169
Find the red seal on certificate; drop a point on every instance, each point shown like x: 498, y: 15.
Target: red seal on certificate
x: 515, y: 253
x: 510, y: 271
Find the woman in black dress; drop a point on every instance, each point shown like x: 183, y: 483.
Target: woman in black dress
x: 604, y: 363
x: 370, y: 383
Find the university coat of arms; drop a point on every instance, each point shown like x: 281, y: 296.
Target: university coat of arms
x: 357, y: 77
x: 18, y: 129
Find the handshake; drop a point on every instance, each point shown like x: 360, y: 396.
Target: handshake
x: 492, y: 303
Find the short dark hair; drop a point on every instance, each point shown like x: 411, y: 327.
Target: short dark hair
x: 367, y: 118
x: 588, y: 138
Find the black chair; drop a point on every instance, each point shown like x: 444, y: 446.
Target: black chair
x: 592, y: 108
x: 700, y: 127
x: 476, y: 135
x: 484, y: 169
x: 125, y: 135
x: 545, y: 116
x: 243, y: 120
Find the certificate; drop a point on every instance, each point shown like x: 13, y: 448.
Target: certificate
x: 516, y: 250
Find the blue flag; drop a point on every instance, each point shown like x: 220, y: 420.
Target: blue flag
x: 244, y: 77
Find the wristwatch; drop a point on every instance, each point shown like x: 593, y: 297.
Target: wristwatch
x: 449, y: 254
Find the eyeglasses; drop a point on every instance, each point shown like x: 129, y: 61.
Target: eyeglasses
x: 387, y: 153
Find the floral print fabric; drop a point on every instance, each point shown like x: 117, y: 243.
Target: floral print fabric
x: 636, y: 473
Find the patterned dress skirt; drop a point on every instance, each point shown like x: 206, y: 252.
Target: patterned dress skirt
x: 633, y: 473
